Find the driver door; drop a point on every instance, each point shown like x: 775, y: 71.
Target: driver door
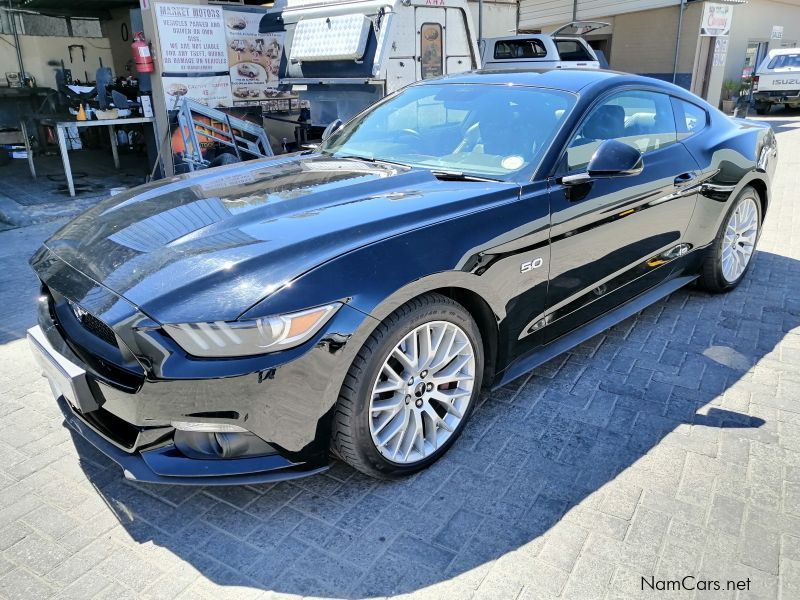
x: 610, y: 237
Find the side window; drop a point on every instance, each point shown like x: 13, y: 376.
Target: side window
x: 431, y: 55
x: 689, y: 117
x: 785, y: 61
x: 640, y: 119
x: 572, y: 50
x: 516, y: 49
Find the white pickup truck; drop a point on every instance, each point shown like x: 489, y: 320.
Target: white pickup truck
x: 777, y: 80
x: 561, y: 49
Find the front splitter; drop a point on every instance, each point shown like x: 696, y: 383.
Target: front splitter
x: 135, y: 467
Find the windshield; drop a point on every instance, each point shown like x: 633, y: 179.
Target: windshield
x: 785, y: 61
x: 493, y: 131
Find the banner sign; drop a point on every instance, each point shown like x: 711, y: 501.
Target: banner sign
x: 716, y: 19
x: 254, y: 58
x: 720, y: 51
x: 192, y: 38
x: 211, y: 90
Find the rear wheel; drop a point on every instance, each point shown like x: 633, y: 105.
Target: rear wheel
x: 733, y: 248
x: 411, y: 388
x: 763, y: 108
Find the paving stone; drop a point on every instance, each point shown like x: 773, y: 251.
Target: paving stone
x: 726, y: 514
x: 21, y: 584
x: 562, y: 550
x: 589, y: 579
x: 759, y: 547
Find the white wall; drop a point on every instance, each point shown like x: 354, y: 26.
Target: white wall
x: 499, y: 17
x: 534, y: 14
x: 120, y: 49
x: 753, y: 22
x: 38, y: 51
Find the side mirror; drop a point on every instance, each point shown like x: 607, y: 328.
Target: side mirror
x: 332, y: 128
x: 611, y: 159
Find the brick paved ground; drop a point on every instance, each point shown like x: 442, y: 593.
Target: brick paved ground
x: 666, y: 447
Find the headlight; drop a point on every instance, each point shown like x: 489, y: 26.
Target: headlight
x: 246, y: 338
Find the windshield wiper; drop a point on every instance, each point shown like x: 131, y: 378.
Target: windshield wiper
x: 459, y: 176
x: 370, y: 159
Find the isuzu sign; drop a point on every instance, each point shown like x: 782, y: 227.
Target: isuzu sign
x: 716, y: 19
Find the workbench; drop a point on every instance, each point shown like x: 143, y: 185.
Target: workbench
x: 61, y: 126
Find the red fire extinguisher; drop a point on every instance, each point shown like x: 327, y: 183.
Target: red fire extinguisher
x: 141, y: 53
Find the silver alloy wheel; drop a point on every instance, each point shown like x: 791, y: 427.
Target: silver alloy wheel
x: 422, y: 392
x: 740, y: 239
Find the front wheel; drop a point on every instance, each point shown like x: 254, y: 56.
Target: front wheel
x: 732, y: 251
x: 410, y: 390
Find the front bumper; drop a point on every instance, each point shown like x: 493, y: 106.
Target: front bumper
x: 151, y: 457
x: 778, y: 96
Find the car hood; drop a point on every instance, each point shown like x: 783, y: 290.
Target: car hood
x: 210, y: 245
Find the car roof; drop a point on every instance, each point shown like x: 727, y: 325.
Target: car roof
x: 777, y: 51
x: 530, y: 36
x: 520, y: 36
x: 571, y: 80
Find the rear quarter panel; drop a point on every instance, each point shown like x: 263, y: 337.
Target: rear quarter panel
x: 731, y: 154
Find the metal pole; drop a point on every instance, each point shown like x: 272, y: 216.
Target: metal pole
x: 12, y: 18
x: 678, y: 41
x: 574, y: 10
x: 480, y: 22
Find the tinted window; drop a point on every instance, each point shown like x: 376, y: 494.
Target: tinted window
x: 488, y: 130
x: 689, y: 117
x: 785, y: 61
x: 643, y: 120
x: 572, y: 50
x: 515, y: 49
x: 431, y: 59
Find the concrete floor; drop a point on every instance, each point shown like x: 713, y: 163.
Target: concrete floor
x: 26, y: 201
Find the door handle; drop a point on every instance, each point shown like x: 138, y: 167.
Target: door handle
x: 685, y: 179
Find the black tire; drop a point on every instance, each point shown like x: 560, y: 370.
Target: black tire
x: 351, y: 439
x: 763, y: 109
x: 711, y: 278
x: 226, y: 158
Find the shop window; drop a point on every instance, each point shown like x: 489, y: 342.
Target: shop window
x: 44, y: 25
x: 86, y: 28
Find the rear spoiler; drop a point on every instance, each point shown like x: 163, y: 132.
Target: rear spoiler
x: 579, y: 28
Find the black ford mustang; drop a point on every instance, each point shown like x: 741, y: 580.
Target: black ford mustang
x: 238, y: 324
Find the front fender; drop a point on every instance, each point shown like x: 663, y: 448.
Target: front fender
x: 479, y: 254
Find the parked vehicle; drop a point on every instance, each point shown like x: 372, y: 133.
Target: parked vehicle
x: 237, y: 324
x: 562, y: 49
x: 777, y: 80
x: 345, y: 55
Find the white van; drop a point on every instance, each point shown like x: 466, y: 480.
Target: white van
x: 561, y: 49
x: 343, y: 55
x: 777, y: 80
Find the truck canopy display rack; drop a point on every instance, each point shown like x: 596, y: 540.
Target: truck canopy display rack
x: 198, y: 122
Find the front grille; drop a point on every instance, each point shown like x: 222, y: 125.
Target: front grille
x: 84, y: 335
x: 94, y: 325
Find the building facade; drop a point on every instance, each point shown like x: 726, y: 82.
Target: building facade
x: 662, y: 38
